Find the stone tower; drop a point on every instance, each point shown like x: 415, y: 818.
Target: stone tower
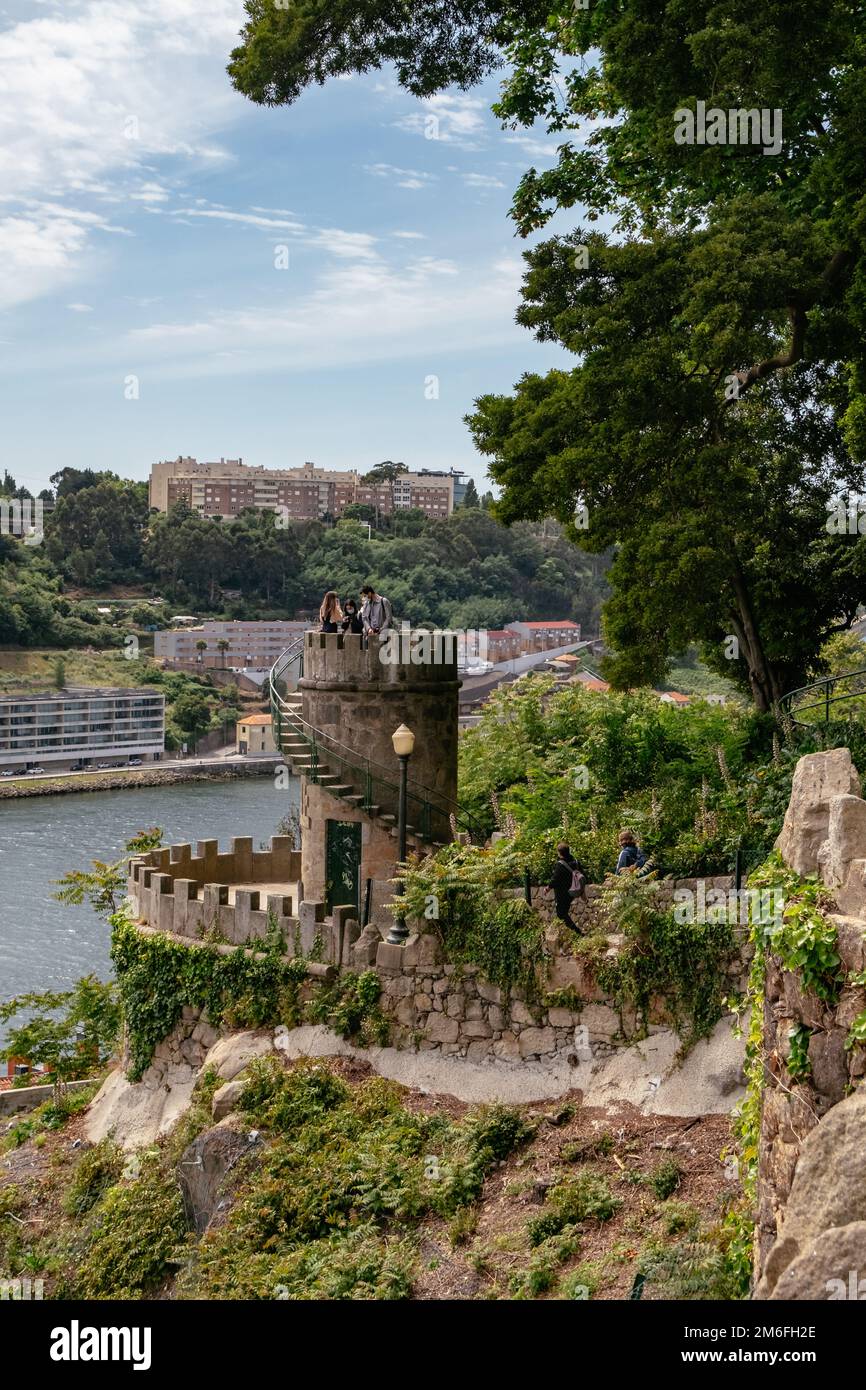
x: 355, y: 693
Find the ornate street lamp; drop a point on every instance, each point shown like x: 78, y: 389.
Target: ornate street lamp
x: 403, y: 740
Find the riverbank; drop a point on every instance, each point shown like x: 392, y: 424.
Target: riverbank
x: 122, y: 779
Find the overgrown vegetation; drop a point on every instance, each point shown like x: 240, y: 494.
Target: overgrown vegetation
x: 467, y: 889
x: 158, y: 977
x: 695, y: 784
x: 346, y: 1177
x: 685, y: 964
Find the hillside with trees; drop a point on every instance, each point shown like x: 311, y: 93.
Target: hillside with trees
x: 467, y: 570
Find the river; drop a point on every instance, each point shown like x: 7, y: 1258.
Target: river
x: 47, y: 945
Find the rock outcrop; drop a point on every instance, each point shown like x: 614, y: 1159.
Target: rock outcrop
x: 828, y: 1194
x: 811, y: 1218
x: 818, y: 779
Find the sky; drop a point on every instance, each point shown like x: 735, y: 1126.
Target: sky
x: 183, y: 272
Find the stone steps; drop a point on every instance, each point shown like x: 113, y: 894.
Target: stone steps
x: 296, y: 750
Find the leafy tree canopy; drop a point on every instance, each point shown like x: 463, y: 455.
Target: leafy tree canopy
x: 717, y: 314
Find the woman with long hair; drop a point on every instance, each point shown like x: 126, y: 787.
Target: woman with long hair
x: 330, y: 612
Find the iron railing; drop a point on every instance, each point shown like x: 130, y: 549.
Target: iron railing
x: 793, y: 704
x: 430, y: 814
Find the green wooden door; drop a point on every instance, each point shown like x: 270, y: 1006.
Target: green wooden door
x: 342, y: 864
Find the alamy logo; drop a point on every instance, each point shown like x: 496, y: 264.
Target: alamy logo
x: 736, y: 906
x: 855, y: 1289
x: 22, y: 1290
x: 433, y: 647
x: 847, y: 516
x: 736, y: 127
x: 77, y: 1343
x: 22, y: 517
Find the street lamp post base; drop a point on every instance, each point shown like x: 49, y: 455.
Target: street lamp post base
x: 399, y: 933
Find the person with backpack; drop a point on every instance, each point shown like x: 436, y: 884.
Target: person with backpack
x: 567, y: 884
x: 631, y: 856
x: 376, y: 612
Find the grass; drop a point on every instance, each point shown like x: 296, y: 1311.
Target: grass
x: 33, y: 669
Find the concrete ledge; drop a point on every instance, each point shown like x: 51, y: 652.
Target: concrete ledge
x: 21, y: 1098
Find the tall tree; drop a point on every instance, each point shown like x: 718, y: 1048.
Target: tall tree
x: 718, y: 404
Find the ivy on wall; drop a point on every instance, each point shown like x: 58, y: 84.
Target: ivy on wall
x: 467, y: 893
x: 683, y: 963
x: 158, y: 977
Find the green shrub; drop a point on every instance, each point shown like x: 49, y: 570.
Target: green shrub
x: 132, y: 1237
x: 586, y: 1197
x: 98, y: 1169
x: 665, y: 1178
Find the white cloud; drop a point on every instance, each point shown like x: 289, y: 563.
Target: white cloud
x: 449, y: 117
x: 92, y: 93
x: 250, y: 219
x: 359, y: 311
x: 150, y: 193
x: 348, y: 245
x: 482, y: 181
x: 81, y: 308
x: 41, y: 248
x: 410, y: 236
x: 537, y: 149
x: 404, y: 178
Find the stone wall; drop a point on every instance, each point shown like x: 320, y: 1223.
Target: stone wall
x: 811, y: 1217
x: 187, y: 894
x: 359, y: 699
x: 433, y: 1004
x: 436, y: 1005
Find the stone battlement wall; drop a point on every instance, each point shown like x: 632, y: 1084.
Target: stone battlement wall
x: 187, y: 894
x: 433, y: 1004
x: 414, y: 657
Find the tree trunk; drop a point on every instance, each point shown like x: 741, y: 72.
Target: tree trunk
x: 763, y: 680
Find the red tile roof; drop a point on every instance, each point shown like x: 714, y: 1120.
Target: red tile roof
x: 558, y: 622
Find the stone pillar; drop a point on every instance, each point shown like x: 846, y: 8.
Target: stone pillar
x: 358, y: 693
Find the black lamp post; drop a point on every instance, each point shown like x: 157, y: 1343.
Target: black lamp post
x: 403, y: 740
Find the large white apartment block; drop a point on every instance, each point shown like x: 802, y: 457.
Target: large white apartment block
x: 307, y: 493
x: 81, y: 727
x: 251, y: 646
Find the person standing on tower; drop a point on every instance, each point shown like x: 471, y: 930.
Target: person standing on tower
x: 375, y: 611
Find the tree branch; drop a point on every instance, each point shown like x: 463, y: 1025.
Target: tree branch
x: 835, y: 267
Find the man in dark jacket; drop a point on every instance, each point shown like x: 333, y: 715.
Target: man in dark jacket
x: 564, y: 887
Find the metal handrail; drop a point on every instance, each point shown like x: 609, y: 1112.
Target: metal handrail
x: 826, y: 685
x: 368, y: 774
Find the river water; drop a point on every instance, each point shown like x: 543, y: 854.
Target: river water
x: 47, y: 945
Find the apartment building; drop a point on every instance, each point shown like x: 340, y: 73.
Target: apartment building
x: 80, y: 727
x: 251, y: 645
x: 307, y: 493
x: 541, y: 636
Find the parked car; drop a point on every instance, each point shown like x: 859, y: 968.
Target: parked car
x: 36, y: 772
x: 7, y: 773
x: 134, y: 762
x: 103, y: 767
